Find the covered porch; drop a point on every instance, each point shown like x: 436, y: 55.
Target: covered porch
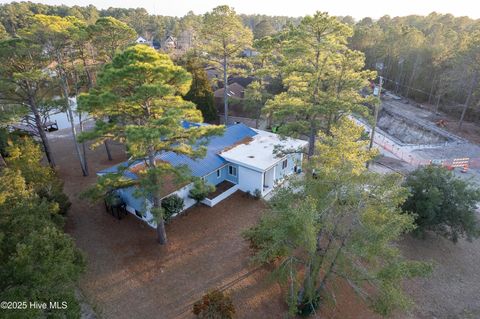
x: 268, y: 180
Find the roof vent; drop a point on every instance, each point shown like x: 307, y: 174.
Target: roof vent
x: 251, y: 156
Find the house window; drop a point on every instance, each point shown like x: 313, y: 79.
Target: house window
x: 232, y: 170
x: 218, y: 173
x: 284, y: 164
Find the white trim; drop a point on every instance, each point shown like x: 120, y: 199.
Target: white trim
x: 215, y: 170
x: 244, y: 165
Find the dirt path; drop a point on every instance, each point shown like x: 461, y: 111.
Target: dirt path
x: 130, y: 276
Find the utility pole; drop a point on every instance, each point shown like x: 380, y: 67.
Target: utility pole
x: 375, y: 116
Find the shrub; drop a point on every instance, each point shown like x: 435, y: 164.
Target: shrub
x: 200, y: 190
x: 172, y: 205
x: 442, y: 203
x: 257, y: 194
x: 25, y: 155
x: 214, y: 305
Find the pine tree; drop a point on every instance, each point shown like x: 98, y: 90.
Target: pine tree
x: 339, y: 223
x: 24, y: 84
x: 141, y: 92
x: 224, y: 38
x: 322, y: 76
x: 201, y: 92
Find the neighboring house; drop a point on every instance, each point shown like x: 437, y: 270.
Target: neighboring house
x: 241, y: 159
x: 235, y: 93
x: 142, y: 40
x: 249, y: 53
x: 238, y: 110
x: 185, y: 40
x: 243, y: 81
x: 214, y: 76
x: 170, y: 43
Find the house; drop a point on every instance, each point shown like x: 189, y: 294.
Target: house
x: 248, y: 53
x: 169, y: 43
x: 234, y: 90
x: 235, y: 93
x: 241, y: 159
x: 238, y: 110
x: 242, y: 80
x: 185, y: 40
x: 214, y: 76
x: 142, y: 40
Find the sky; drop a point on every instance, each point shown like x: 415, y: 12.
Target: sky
x: 356, y: 8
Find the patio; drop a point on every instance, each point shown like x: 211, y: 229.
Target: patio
x: 221, y: 188
x: 222, y: 191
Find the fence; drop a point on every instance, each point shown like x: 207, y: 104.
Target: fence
x: 406, y: 156
x: 403, y: 152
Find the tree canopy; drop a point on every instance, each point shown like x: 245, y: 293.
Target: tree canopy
x: 322, y: 77
x: 224, y: 38
x: 109, y: 36
x: 442, y: 203
x: 38, y: 261
x: 201, y: 92
x: 338, y: 224
x: 140, y: 92
x: 25, y: 84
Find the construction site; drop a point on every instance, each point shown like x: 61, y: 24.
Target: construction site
x: 408, y: 135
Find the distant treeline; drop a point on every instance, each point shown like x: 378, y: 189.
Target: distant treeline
x: 15, y: 15
x: 434, y: 58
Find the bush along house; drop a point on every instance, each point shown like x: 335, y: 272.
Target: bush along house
x: 241, y: 159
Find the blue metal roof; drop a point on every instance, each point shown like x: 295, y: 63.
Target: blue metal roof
x: 211, y: 161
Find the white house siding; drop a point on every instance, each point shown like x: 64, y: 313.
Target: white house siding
x: 249, y: 180
x: 292, y: 161
x: 182, y: 193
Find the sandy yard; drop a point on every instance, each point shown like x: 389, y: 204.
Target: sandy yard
x: 130, y: 276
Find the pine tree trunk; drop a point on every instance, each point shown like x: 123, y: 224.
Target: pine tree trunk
x: 161, y: 233
x: 84, y: 146
x: 431, y: 88
x: 2, y: 162
x: 225, y: 89
x: 332, y: 264
x: 74, y: 134
x: 41, y: 132
x: 311, y: 139
x: 72, y: 124
x: 437, y: 104
x: 107, y: 148
x: 157, y: 204
x: 473, y: 84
